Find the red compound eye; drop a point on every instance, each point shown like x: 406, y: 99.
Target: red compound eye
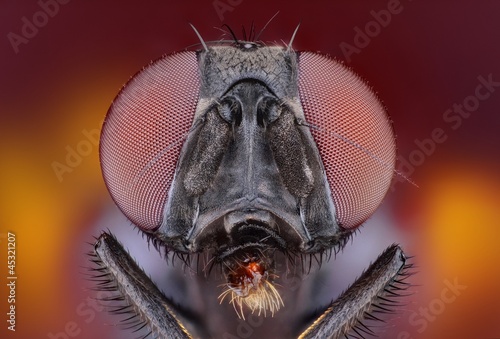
x: 352, y: 132
x: 150, y: 118
x: 143, y: 133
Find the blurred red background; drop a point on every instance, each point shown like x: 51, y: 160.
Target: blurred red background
x: 57, y: 81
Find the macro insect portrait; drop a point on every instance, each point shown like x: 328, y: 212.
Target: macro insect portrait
x: 247, y: 162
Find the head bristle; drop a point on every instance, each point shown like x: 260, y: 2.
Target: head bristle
x: 199, y: 37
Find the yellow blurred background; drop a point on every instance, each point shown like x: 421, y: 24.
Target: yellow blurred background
x: 57, y: 82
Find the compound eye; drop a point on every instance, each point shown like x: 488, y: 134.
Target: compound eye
x: 353, y: 134
x: 143, y: 134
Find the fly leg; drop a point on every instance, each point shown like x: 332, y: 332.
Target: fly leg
x: 372, y: 292
x: 148, y: 306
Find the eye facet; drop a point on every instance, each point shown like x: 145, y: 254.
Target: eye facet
x: 353, y: 134
x: 143, y: 134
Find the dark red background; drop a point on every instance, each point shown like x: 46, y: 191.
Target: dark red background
x: 427, y: 58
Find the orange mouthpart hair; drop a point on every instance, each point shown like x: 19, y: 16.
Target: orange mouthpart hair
x: 248, y: 284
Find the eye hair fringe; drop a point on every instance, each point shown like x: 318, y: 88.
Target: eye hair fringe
x: 206, y: 261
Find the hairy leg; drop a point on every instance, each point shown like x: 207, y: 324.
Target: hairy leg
x: 373, y: 291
